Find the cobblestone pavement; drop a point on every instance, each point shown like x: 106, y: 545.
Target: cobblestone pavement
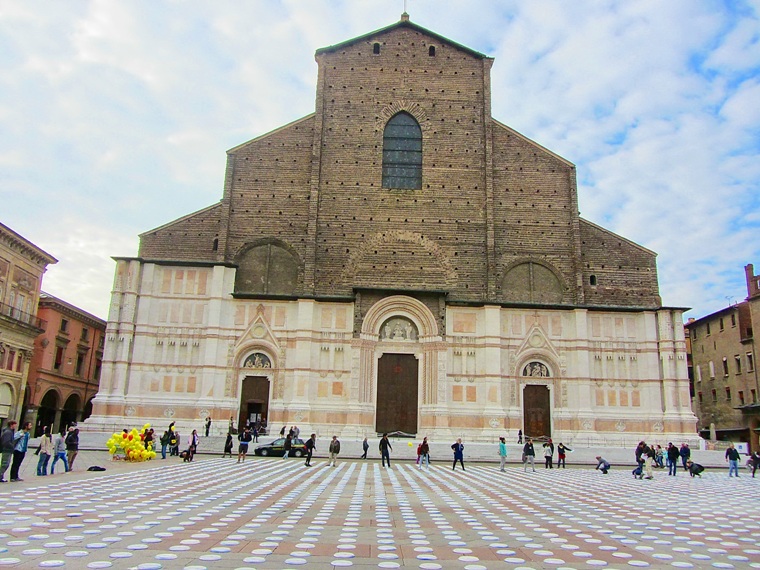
x: 275, y: 513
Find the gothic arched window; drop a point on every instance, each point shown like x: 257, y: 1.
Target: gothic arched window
x: 531, y: 283
x: 402, y: 153
x: 267, y: 269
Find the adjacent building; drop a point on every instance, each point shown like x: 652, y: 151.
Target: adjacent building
x: 65, y: 367
x: 22, y: 265
x: 398, y: 260
x: 725, y: 379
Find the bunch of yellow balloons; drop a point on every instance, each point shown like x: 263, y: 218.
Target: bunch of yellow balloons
x: 131, y: 445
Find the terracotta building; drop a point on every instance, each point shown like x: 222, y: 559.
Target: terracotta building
x: 725, y: 378
x: 22, y: 265
x: 398, y: 260
x: 65, y: 368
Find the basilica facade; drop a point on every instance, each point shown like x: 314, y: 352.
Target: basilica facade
x: 396, y: 261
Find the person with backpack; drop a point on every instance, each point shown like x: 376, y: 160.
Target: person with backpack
x: 311, y: 446
x: 245, y: 438
x: 174, y: 443
x: 72, y: 446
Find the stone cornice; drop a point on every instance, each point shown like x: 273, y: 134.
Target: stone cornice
x: 26, y: 248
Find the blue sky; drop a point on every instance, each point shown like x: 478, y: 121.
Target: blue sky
x: 115, y: 116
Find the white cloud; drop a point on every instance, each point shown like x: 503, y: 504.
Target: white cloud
x: 115, y: 117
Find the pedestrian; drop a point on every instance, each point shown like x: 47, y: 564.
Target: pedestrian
x: 59, y: 453
x: 502, y: 453
x: 519, y: 436
x: 20, y: 445
x: 334, y: 450
x: 672, y: 455
x: 365, y: 447
x: 6, y: 447
x: 244, y: 438
x: 44, y: 451
x: 458, y: 453
x: 694, y: 468
x: 228, y: 445
x: 192, y: 445
x: 424, y: 453
x: 311, y: 446
x: 732, y: 456
x: 282, y: 431
x: 529, y: 455
x: 255, y: 433
x: 548, y: 455
x: 72, y: 446
x: 208, y: 425
x: 755, y: 462
x: 685, y: 454
x: 296, y: 432
x: 164, y: 441
x: 649, y: 454
x: 639, y: 454
x: 174, y: 442
x: 602, y: 464
x: 148, y: 439
x: 385, y: 449
x: 288, y: 445
x: 659, y: 456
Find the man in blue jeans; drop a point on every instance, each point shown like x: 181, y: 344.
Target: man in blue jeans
x: 21, y: 444
x: 732, y: 456
x: 385, y: 448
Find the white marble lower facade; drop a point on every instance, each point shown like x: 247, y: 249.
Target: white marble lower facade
x: 180, y: 348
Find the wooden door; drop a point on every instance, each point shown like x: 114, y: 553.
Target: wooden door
x: 396, y: 394
x: 537, y: 411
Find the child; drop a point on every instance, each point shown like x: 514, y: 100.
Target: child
x: 228, y: 445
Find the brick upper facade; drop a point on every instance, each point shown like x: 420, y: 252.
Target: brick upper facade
x: 304, y: 211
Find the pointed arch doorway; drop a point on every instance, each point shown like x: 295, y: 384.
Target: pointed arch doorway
x: 254, y: 400
x: 537, y: 410
x: 397, y: 397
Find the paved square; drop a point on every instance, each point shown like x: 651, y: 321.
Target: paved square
x: 275, y: 513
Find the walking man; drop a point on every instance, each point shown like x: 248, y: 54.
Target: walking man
x: 334, y: 451
x: 732, y: 456
x: 244, y: 438
x: 208, y: 425
x: 21, y: 444
x: 502, y: 453
x: 59, y: 454
x: 385, y: 448
x: 685, y: 454
x: 288, y: 445
x: 519, y: 436
x: 458, y: 453
x: 365, y: 447
x: 6, y: 447
x: 529, y: 455
x: 672, y: 454
x: 311, y: 445
x: 72, y: 446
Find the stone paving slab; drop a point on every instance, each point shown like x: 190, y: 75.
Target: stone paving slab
x: 275, y: 513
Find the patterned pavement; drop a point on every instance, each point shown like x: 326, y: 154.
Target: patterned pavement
x: 275, y: 513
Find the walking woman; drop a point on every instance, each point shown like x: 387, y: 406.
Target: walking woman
x: 458, y: 453
x: 502, y: 453
x: 46, y: 449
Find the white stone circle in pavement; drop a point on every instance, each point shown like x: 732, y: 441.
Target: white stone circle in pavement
x: 279, y: 514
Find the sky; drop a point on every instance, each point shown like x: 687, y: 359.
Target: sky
x: 115, y: 116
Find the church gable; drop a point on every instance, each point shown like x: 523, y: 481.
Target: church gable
x: 194, y: 237
x: 617, y: 271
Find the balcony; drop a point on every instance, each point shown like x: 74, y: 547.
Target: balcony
x: 21, y: 318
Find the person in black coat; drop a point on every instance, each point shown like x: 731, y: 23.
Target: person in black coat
x: 529, y: 455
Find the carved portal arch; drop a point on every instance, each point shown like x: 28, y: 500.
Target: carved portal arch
x: 400, y: 306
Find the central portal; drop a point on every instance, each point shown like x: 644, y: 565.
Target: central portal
x: 254, y: 401
x: 396, y: 394
x: 537, y: 411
